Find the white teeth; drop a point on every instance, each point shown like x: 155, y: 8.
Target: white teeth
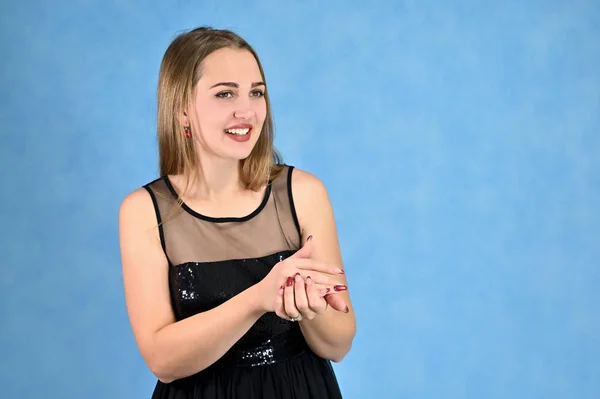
x: 239, y: 132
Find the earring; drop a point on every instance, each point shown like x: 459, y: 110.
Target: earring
x: 188, y: 131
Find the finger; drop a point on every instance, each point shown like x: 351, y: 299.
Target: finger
x: 320, y: 278
x: 305, y: 251
x: 311, y: 264
x: 279, y: 310
x: 301, y: 298
x: 337, y: 303
x: 288, y: 299
x: 325, y: 289
x: 323, y: 279
x: 315, y: 300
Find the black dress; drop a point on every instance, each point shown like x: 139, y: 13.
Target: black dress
x: 214, y: 259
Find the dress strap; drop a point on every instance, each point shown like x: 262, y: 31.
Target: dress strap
x: 286, y: 211
x: 157, y: 207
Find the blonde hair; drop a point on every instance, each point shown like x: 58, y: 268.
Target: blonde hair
x: 180, y: 70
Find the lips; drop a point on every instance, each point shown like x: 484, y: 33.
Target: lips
x: 239, y: 130
x: 239, y: 133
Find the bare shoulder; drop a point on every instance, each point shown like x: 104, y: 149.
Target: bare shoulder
x: 138, y: 198
x: 311, y: 200
x: 308, y: 187
x: 138, y: 226
x: 137, y: 208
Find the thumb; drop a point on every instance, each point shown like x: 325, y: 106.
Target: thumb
x: 305, y: 251
x: 337, y: 303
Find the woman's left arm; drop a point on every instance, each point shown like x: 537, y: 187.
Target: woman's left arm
x: 330, y: 334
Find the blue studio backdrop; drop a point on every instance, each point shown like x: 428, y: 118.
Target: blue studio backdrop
x: 459, y: 141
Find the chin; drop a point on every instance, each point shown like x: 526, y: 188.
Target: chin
x: 237, y: 155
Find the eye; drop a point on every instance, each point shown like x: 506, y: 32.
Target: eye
x: 257, y: 93
x: 224, y: 94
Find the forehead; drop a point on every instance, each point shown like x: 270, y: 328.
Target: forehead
x: 230, y: 65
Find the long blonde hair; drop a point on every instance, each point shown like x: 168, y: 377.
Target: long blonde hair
x: 180, y: 70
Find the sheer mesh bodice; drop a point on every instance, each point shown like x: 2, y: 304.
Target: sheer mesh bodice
x: 271, y: 228
x: 214, y: 259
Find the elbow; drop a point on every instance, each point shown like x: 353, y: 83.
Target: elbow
x: 168, y: 369
x: 342, y: 347
x: 161, y: 371
x: 334, y: 353
x: 340, y: 354
x: 157, y: 361
x: 159, y: 366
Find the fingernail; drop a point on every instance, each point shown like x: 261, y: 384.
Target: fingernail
x: 308, y: 280
x: 338, y: 270
x: 281, y: 290
x: 346, y: 310
x: 298, y: 277
x: 289, y: 281
x: 340, y: 287
x: 309, y: 238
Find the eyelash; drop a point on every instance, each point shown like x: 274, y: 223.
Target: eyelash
x: 223, y: 94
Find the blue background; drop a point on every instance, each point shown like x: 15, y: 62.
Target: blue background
x: 459, y: 140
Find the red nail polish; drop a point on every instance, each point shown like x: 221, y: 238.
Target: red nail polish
x: 340, y: 288
x: 289, y: 281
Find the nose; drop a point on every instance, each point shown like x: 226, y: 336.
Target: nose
x: 243, y: 110
x: 242, y: 114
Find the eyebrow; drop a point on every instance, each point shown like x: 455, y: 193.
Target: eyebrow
x: 233, y: 84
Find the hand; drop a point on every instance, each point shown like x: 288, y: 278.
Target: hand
x: 322, y: 276
x: 303, y: 298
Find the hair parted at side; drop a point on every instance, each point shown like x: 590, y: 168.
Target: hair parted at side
x: 180, y: 70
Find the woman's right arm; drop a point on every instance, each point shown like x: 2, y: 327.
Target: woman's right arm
x: 172, y: 350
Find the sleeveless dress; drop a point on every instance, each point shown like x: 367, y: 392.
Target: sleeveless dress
x: 213, y: 259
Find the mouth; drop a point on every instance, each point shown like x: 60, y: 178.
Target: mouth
x: 239, y: 131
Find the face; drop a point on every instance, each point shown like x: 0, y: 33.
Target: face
x: 230, y: 109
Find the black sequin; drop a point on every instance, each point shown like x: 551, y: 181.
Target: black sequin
x: 201, y: 286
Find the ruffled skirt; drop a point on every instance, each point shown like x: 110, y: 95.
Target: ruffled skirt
x: 305, y: 376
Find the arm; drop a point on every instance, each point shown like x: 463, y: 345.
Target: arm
x: 329, y: 335
x: 172, y: 350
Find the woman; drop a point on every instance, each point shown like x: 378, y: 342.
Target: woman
x: 228, y: 293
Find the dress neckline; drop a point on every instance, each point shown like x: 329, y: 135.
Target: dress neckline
x: 219, y: 219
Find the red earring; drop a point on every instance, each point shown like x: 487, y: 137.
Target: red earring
x: 188, y: 131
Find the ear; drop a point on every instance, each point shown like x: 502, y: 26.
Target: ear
x: 183, y: 119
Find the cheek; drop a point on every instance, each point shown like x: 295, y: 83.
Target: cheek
x: 212, y: 116
x: 261, y: 111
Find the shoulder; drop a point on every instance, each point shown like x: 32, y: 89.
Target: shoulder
x: 138, y: 206
x: 310, y: 196
x: 306, y: 185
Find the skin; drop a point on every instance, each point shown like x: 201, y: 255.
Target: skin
x: 176, y: 349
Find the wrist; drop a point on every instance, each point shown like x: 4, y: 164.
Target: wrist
x: 254, y: 301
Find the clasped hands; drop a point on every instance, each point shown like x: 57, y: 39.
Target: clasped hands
x: 304, y: 287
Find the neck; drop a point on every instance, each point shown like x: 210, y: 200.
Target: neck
x: 217, y: 178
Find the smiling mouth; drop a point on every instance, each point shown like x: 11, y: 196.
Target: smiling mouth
x: 238, y: 132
